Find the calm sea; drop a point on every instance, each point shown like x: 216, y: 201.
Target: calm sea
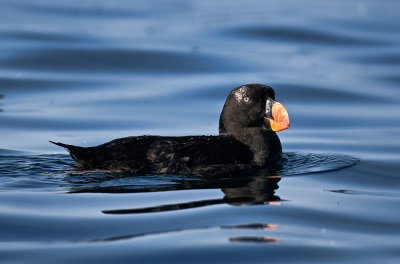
x: 85, y: 72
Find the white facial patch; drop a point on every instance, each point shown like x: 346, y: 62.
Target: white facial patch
x: 240, y: 94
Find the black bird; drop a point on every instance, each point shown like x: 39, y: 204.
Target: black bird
x: 246, y: 142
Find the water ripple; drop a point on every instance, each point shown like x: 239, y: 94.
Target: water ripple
x: 369, y: 193
x: 295, y: 163
x: 36, y: 36
x: 88, y: 12
x: 57, y: 170
x: 312, y: 93
x: 1, y: 97
x: 119, y: 60
x: 390, y: 59
x: 37, y: 84
x: 303, y: 35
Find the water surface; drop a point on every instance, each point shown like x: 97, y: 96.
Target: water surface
x: 85, y: 72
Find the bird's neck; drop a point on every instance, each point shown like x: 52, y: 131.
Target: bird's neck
x: 264, y: 144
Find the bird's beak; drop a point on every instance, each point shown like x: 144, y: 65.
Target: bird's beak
x: 276, y: 116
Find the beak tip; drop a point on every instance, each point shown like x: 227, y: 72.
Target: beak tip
x: 280, y: 118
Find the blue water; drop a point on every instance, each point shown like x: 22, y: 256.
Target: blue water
x: 86, y: 72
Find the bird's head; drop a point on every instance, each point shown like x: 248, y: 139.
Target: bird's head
x: 252, y: 105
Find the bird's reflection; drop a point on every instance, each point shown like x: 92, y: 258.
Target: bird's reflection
x: 251, y: 239
x: 254, y: 239
x: 237, y: 191
x: 249, y: 190
x: 257, y: 190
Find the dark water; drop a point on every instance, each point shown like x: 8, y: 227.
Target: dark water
x: 85, y: 72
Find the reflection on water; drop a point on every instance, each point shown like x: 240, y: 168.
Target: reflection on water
x: 254, y: 239
x: 54, y: 171
x: 259, y: 189
x: 1, y: 97
x: 253, y: 226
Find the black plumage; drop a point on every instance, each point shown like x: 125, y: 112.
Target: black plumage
x: 245, y: 144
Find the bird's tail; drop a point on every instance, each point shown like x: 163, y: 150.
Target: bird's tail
x: 75, y: 151
x: 62, y: 145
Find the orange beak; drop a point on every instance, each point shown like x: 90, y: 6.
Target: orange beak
x: 276, y: 116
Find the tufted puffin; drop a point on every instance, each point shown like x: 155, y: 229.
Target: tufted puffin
x: 247, y: 142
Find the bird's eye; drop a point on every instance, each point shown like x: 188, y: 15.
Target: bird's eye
x: 246, y: 99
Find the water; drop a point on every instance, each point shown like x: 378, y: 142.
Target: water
x: 85, y: 72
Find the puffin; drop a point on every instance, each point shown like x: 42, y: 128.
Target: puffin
x: 247, y: 143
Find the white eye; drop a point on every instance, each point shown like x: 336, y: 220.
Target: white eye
x: 246, y: 99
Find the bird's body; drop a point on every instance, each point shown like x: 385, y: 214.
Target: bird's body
x: 241, y: 148
x: 191, y: 155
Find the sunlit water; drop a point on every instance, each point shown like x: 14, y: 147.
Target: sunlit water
x: 85, y: 72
